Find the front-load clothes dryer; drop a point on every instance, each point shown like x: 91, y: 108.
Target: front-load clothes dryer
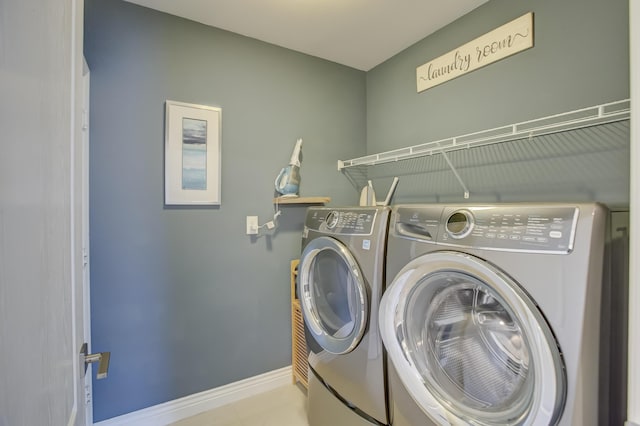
x: 340, y: 283
x: 491, y: 315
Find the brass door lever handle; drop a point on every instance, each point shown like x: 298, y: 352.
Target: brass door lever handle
x: 102, y: 358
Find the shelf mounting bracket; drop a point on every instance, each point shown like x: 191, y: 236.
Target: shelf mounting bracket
x: 457, y: 175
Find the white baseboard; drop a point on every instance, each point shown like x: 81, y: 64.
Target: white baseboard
x: 178, y: 409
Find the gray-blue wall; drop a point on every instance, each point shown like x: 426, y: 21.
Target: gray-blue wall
x: 183, y: 299
x: 580, y: 59
x: 187, y: 302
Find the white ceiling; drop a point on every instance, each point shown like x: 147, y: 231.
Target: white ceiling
x: 357, y: 33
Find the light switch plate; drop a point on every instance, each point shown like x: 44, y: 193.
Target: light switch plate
x: 252, y: 225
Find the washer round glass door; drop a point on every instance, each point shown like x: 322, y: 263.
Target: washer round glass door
x: 333, y: 295
x: 469, y: 345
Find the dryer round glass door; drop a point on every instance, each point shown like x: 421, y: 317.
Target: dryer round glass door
x: 470, y: 345
x: 333, y: 295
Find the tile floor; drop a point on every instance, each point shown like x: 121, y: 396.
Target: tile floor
x: 284, y: 406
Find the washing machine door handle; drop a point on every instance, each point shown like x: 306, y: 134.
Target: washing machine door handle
x: 333, y: 295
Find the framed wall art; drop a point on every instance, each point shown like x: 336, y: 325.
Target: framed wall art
x: 192, y: 154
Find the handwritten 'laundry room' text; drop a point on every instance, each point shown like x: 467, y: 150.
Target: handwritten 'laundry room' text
x: 496, y: 46
x: 504, y: 41
x: 459, y: 63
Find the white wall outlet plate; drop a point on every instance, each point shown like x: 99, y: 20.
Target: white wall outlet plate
x: 252, y: 225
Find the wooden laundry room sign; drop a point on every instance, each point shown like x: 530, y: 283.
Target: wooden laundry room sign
x: 504, y: 41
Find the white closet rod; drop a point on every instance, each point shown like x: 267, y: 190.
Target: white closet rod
x: 585, y: 117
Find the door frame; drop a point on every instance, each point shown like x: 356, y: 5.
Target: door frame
x: 86, y: 252
x: 633, y: 410
x: 77, y: 99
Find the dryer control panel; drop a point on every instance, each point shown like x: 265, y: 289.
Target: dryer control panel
x: 342, y: 222
x: 549, y: 229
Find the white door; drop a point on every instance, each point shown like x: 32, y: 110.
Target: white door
x: 41, y: 318
x: 333, y: 295
x: 469, y: 345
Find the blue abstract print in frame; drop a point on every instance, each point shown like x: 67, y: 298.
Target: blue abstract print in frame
x: 194, y: 154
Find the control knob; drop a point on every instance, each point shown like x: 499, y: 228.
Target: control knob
x: 460, y: 224
x: 332, y: 219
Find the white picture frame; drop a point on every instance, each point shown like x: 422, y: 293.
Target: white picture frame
x: 192, y: 154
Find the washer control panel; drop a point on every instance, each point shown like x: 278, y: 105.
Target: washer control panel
x: 342, y: 222
x: 510, y: 228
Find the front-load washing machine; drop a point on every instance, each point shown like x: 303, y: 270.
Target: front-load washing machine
x: 340, y: 283
x: 491, y: 315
